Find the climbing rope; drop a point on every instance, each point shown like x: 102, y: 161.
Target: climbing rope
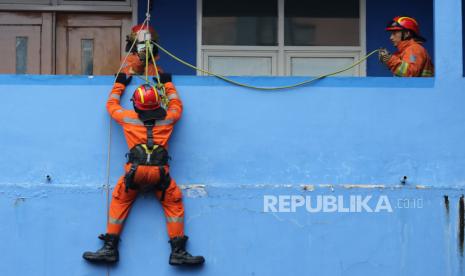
x: 259, y: 87
x: 110, y: 131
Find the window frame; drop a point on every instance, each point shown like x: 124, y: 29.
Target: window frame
x: 282, y: 51
x: 245, y: 51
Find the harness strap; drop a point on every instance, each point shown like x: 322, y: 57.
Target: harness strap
x: 149, y: 128
x: 129, y: 177
x: 148, y: 148
x: 165, y: 181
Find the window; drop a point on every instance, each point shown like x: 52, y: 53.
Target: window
x: 321, y: 23
x: 21, y: 54
x: 280, y: 37
x: 240, y: 22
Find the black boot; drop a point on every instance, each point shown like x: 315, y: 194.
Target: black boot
x: 179, y: 255
x: 108, y: 253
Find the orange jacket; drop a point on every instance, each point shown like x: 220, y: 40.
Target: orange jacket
x: 134, y: 66
x: 411, y: 60
x: 134, y: 129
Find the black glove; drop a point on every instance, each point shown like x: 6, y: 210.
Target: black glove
x: 123, y: 79
x: 164, y: 78
x: 384, y: 55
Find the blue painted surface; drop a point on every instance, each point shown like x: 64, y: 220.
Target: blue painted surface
x: 243, y: 145
x: 176, y: 25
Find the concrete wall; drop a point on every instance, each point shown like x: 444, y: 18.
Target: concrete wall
x: 343, y: 137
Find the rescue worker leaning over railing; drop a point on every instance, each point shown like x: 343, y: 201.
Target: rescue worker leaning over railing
x: 135, y: 62
x: 411, y: 59
x: 147, y: 130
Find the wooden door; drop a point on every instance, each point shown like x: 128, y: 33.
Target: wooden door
x: 90, y: 44
x: 26, y: 43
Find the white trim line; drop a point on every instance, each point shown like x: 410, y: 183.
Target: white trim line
x: 77, y: 8
x: 199, y: 36
x: 95, y: 3
x: 363, y: 36
x: 135, y: 12
x: 281, y: 57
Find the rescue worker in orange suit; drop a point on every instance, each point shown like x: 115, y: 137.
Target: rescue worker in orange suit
x: 411, y: 59
x: 136, y: 60
x: 147, y: 130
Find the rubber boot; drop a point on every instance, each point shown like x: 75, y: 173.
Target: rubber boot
x: 179, y: 255
x: 108, y: 253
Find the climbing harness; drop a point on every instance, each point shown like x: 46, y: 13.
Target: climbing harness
x: 149, y: 154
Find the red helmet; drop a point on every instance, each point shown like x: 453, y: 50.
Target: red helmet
x: 142, y: 27
x: 146, y: 98
x: 400, y: 23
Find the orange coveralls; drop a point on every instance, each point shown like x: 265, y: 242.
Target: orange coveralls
x: 411, y: 60
x: 134, y: 66
x: 136, y: 133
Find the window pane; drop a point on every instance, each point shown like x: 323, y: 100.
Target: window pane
x: 87, y: 56
x: 234, y: 66
x: 322, y: 23
x: 315, y: 66
x: 240, y: 22
x: 21, y: 55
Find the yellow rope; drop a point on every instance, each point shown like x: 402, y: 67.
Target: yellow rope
x: 160, y: 87
x: 264, y: 88
x: 110, y: 131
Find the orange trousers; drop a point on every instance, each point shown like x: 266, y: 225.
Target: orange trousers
x: 122, y: 201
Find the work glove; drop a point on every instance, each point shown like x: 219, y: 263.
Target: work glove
x: 164, y: 78
x: 123, y: 79
x: 384, y: 55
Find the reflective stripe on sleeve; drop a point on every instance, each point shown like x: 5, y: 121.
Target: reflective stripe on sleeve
x: 164, y: 122
x: 402, y: 70
x: 115, y: 221
x: 138, y: 122
x: 175, y: 219
x: 115, y: 96
x: 173, y: 96
x: 132, y: 121
x: 427, y: 73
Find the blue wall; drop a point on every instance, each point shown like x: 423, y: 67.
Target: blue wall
x: 176, y: 24
x: 240, y: 145
x: 379, y: 14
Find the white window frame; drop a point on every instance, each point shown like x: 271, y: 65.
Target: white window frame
x: 323, y: 52
x: 243, y: 51
x: 95, y: 3
x: 282, y: 52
